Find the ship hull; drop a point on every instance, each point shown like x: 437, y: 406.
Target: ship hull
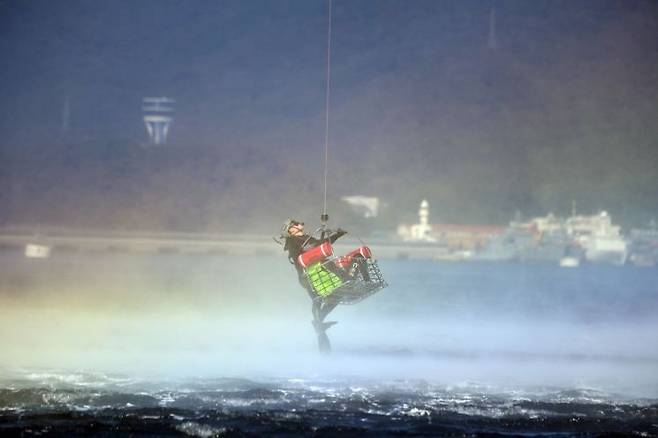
x: 610, y: 251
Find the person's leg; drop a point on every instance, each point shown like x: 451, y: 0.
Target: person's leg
x: 363, y: 267
x: 324, y: 345
x: 316, y: 311
x: 320, y: 312
x: 361, y: 264
x: 326, y: 308
x: 319, y: 309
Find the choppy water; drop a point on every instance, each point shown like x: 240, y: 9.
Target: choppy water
x: 218, y: 346
x: 42, y: 402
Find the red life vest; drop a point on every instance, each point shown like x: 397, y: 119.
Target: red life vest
x: 315, y: 255
x: 346, y: 260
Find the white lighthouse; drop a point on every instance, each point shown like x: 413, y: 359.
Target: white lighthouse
x: 422, y: 231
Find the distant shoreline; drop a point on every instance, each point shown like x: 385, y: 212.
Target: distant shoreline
x: 63, y: 240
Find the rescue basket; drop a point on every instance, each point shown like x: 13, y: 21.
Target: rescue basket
x: 332, y: 280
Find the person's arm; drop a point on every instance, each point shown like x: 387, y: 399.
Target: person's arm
x: 339, y: 233
x: 311, y: 242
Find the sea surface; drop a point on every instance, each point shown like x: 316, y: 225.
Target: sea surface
x: 120, y: 344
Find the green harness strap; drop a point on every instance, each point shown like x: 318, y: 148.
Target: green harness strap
x: 323, y: 281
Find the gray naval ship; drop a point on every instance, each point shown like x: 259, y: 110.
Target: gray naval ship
x: 550, y: 239
x: 540, y: 240
x: 644, y: 246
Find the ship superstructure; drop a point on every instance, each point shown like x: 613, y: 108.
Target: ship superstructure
x: 600, y: 239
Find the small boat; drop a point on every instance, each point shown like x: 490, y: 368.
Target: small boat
x: 569, y: 262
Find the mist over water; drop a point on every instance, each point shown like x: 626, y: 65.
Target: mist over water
x: 176, y: 316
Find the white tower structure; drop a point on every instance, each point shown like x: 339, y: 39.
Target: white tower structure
x: 158, y: 115
x: 422, y: 231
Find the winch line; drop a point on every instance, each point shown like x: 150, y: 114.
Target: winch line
x: 324, y: 217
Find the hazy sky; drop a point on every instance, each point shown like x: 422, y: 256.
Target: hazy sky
x: 420, y: 88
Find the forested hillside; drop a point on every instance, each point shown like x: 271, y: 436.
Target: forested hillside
x: 563, y: 107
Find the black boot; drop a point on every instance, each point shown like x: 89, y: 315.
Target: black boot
x: 361, y: 264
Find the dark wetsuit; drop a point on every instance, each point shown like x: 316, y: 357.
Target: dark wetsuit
x: 295, y: 245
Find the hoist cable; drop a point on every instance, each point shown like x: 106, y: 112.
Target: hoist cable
x: 324, y: 216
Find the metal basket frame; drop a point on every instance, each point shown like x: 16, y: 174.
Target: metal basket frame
x: 335, y: 289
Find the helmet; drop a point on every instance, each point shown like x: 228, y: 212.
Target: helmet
x: 287, y: 224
